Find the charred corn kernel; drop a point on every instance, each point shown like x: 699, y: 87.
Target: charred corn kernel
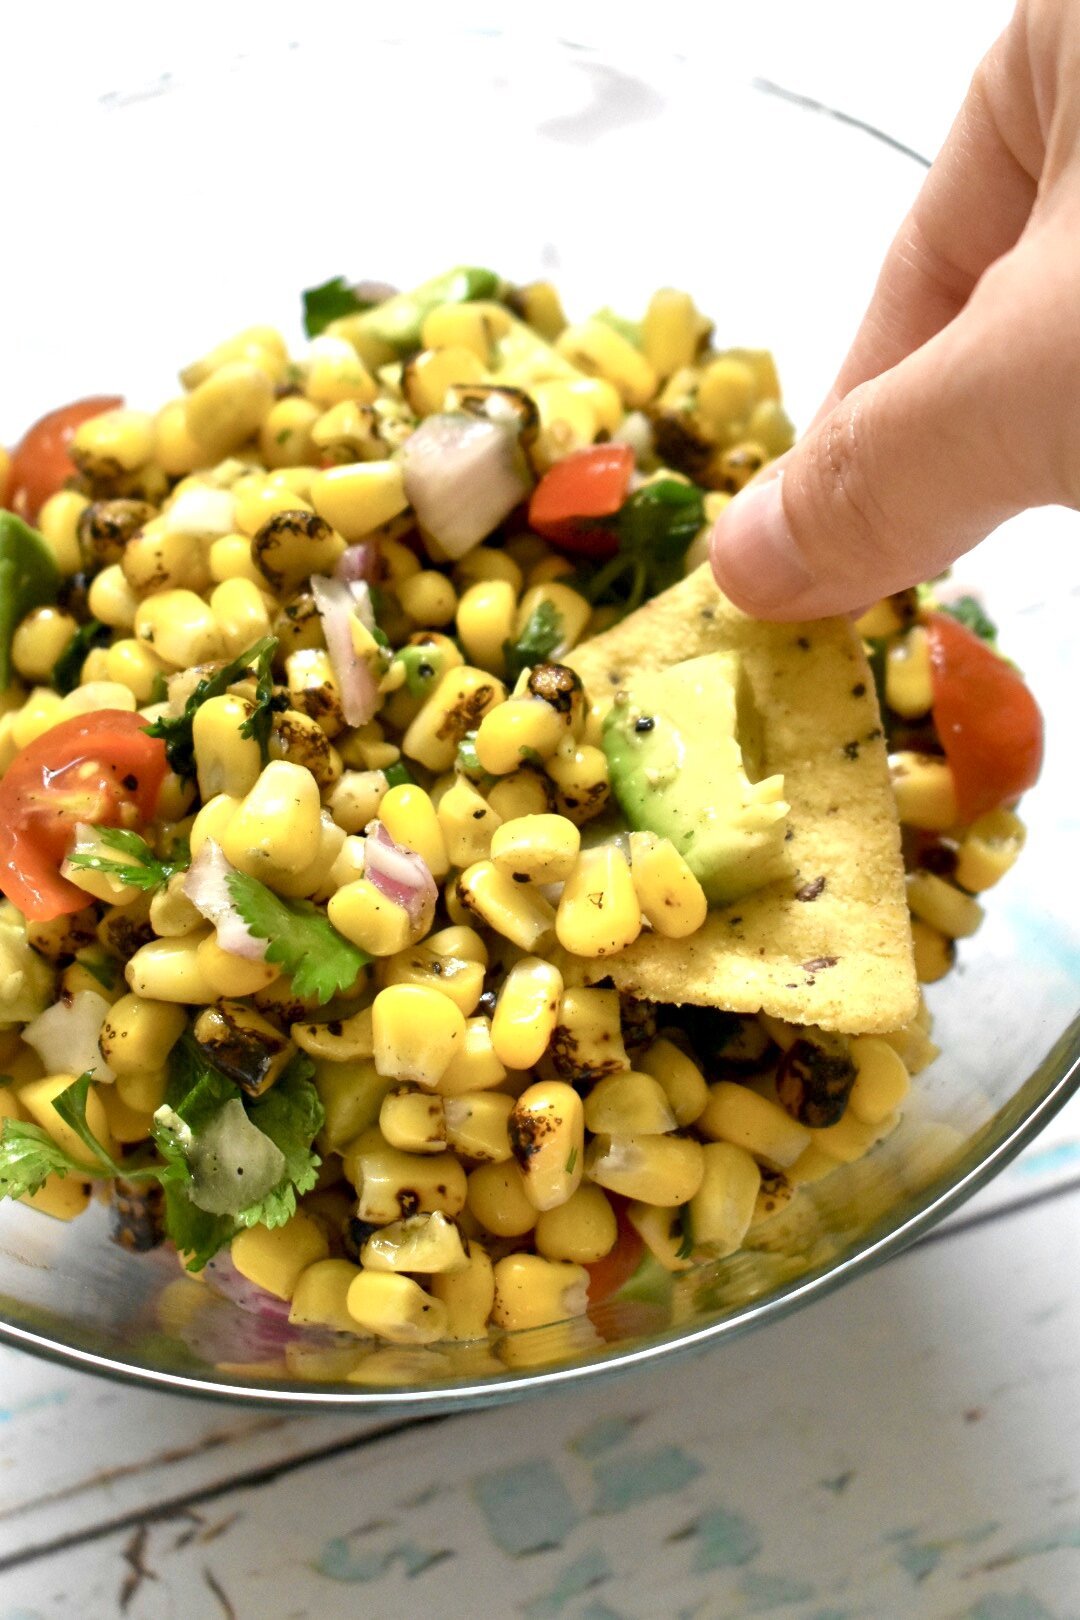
x: 275, y: 1259
x: 365, y: 916
x: 461, y: 980
x: 526, y: 1012
x: 263, y: 345
x: 355, y: 798
x: 180, y: 628
x: 547, y: 1134
x: 139, y: 1034
x: 389, y: 1182
x: 598, y: 912
x: 37, y: 1098
x: 736, y: 1114
x: 672, y: 331
x: 774, y: 1194
x: 320, y: 1293
x: 467, y: 823
x: 346, y: 432
x: 424, y: 1243
x: 396, y: 1308
x: 536, y: 849
x: 908, y: 685
x: 244, y: 1044
x: 851, y: 1138
x: 42, y: 710
x: 114, y: 442
x: 62, y: 1197
x: 409, y: 817
x: 79, y: 976
x: 524, y: 793
x: 58, y: 525
x: 670, y: 896
x: 663, y: 1230
x: 588, y: 1041
x: 39, y: 641
x: 570, y: 606
x: 226, y: 760
x: 157, y: 559
x: 583, y: 1229
x: 91, y: 696
x: 171, y: 970
x: 531, y: 1291
x: 924, y: 790
x: 476, y: 1066
x: 485, y: 565
x: 111, y: 598
x: 340, y: 1040
x: 351, y: 1093
x: 143, y: 1091
x: 467, y: 1293
x: 988, y: 849
x: 540, y: 307
x: 413, y: 1121
x: 725, y: 396
x: 934, y: 952
x: 285, y: 437
x: 314, y: 689
x: 230, y: 975
x: 293, y: 545
x: 277, y: 828
x: 428, y: 598
x: 498, y: 1200
x: 417, y: 1031
x: 941, y: 904
x: 628, y: 1104
x: 881, y: 1080
x: 680, y: 1079
x: 458, y: 704
x: 427, y: 378
x: 298, y: 738
x: 665, y: 1170
x: 582, y: 786
x: 598, y: 350
x: 133, y: 664
x: 722, y: 1209
x: 485, y: 621
x: 228, y: 407
x: 520, y: 915
x: 361, y: 497
x: 477, y: 1125
x: 213, y: 820
x: 522, y: 729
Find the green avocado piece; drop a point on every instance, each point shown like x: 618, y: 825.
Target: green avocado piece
x: 29, y: 578
x: 683, y: 747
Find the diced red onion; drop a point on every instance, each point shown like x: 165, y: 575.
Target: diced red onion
x: 356, y: 563
x: 338, y: 603
x: 463, y: 475
x: 224, y: 1279
x: 401, y: 875
x: 206, y: 888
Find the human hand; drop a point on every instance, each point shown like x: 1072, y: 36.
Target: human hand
x: 958, y: 404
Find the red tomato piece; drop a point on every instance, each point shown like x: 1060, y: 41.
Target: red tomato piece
x: 607, y: 1275
x: 103, y: 768
x: 989, y: 724
x: 591, y: 485
x: 40, y: 463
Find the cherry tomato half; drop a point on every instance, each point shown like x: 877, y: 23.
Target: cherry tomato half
x: 103, y: 768
x: 40, y: 463
x: 589, y: 484
x: 989, y: 724
x: 607, y: 1275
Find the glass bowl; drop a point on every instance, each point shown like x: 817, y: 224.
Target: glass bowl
x: 204, y: 199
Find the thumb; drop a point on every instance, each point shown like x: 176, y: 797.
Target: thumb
x: 915, y: 466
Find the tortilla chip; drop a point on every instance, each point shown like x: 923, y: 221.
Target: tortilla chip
x: 832, y: 946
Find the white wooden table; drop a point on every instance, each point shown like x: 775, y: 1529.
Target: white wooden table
x: 909, y: 1446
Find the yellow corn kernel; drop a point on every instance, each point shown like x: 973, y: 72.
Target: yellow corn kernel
x: 37, y: 1097
x: 670, y: 896
x: 432, y: 372
x: 417, y: 1031
x: 240, y: 612
x: 579, y: 772
x: 58, y: 525
x: 365, y: 916
x: 388, y: 1181
x: 175, y: 451
x: 92, y: 696
x: 525, y: 793
x: 725, y: 396
x: 138, y: 1034
x: 536, y: 849
x: 170, y: 970
x: 851, y: 1138
x: 335, y: 372
x: 126, y: 1125
x: 230, y: 558
x: 466, y: 326
x: 460, y: 941
x: 226, y: 761
x: 144, y: 1091
x: 548, y: 568
x: 42, y: 710
x: 736, y: 1114
x: 663, y: 1232
x: 212, y: 821
x: 532, y: 1292
x: 256, y: 500
x: 338, y: 1041
x: 485, y: 564
x: 413, y: 1121
x: 672, y: 331
x: 111, y: 599
x: 475, y: 1066
x: 599, y: 350
x: 355, y: 798
x: 460, y: 979
x: 498, y: 1200
x: 881, y: 1080
x: 351, y: 1093
x: 522, y: 729
x: 313, y: 688
x: 62, y: 1197
x: 477, y: 1125
x: 285, y: 436
x: 116, y: 441
x: 262, y: 345
x: 934, y: 953
x: 588, y: 1040
x: 941, y: 904
x: 485, y: 622
x: 409, y: 817
x: 547, y: 1134
x: 276, y: 1259
x: 358, y: 498
x: 230, y: 975
x: 133, y: 664
x: 319, y: 1296
x: 424, y: 1243
x: 396, y: 1308
x: 428, y: 598
x: 526, y: 1012
x: 723, y: 1207
x: 277, y: 829
x: 628, y: 1104
x: 679, y: 1077
x: 908, y: 685
x: 519, y: 914
x: 79, y: 976
x: 467, y: 823
x: 598, y: 912
x: 664, y: 1170
x: 924, y: 790
x: 39, y: 641
x: 988, y: 849
x: 583, y: 1229
x: 468, y: 1294
x: 228, y: 407
x: 457, y: 705
x: 180, y: 628
x: 570, y: 607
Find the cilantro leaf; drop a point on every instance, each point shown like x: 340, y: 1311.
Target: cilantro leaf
x: 29, y: 578
x: 398, y: 774
x: 142, y: 870
x: 969, y: 611
x: 328, y: 302
x: 28, y: 1155
x: 198, y: 1236
x: 302, y: 940
x: 260, y: 722
x: 543, y: 632
x: 175, y: 730
x: 655, y: 527
x: 291, y: 1115
x: 67, y: 671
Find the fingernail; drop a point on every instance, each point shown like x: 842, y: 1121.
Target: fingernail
x: 753, y: 552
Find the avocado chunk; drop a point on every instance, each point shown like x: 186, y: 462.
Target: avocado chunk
x: 683, y: 747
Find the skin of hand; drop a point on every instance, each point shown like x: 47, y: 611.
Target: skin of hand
x: 958, y: 404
